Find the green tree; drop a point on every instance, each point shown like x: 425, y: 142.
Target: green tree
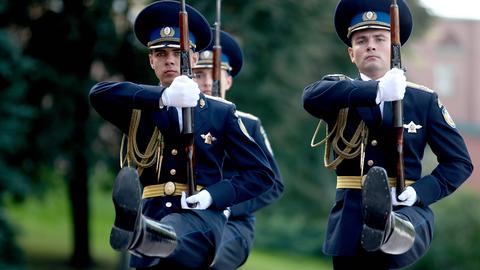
x: 62, y: 45
x: 15, y: 116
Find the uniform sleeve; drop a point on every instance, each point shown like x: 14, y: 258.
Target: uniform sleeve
x: 323, y: 97
x: 114, y: 101
x: 454, y: 164
x: 272, y: 194
x: 254, y: 173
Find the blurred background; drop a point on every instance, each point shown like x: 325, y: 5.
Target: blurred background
x: 58, y: 158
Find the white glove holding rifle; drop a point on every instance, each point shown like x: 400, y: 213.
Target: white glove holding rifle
x: 408, y: 197
x: 183, y: 92
x: 391, y: 86
x: 201, y: 200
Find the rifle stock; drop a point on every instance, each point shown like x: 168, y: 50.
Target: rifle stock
x: 217, y: 55
x: 187, y: 113
x: 396, y: 62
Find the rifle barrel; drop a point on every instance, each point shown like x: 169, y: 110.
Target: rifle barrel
x: 396, y: 62
x: 187, y: 113
x: 217, y: 55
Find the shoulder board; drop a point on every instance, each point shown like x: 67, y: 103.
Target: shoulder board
x: 419, y: 87
x: 336, y: 77
x: 218, y: 99
x: 247, y: 115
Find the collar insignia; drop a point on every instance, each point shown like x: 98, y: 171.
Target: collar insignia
x: 412, y: 127
x: 208, y: 138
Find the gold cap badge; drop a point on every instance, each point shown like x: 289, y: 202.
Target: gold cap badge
x: 369, y: 16
x: 206, y: 55
x: 167, y: 32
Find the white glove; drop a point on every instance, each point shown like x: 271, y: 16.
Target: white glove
x: 391, y: 86
x: 201, y: 200
x: 183, y: 92
x: 408, y: 197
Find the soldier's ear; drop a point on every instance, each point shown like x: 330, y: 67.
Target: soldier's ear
x: 150, y: 59
x: 229, y: 82
x: 195, y: 56
x: 350, y: 53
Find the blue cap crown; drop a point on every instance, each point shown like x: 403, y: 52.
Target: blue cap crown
x: 355, y: 15
x: 369, y: 19
x: 231, y: 59
x: 168, y: 36
x: 157, y: 25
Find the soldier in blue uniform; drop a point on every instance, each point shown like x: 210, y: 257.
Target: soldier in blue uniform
x: 240, y: 230
x: 368, y: 226
x: 163, y: 228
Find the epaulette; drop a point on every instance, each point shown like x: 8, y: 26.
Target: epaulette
x: 419, y: 87
x: 336, y: 77
x: 218, y: 99
x: 247, y: 115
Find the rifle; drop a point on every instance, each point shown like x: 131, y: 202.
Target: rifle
x: 396, y: 62
x: 185, y: 69
x: 217, y: 54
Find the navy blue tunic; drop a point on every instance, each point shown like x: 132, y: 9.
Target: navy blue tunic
x: 433, y: 126
x: 198, y: 231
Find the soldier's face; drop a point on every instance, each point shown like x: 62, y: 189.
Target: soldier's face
x: 370, y: 52
x: 204, y: 78
x: 166, y: 63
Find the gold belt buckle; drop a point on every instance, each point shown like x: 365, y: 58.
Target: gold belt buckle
x: 169, y: 188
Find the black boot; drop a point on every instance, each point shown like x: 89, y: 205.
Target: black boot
x: 127, y: 199
x: 377, y: 207
x: 131, y: 230
x: 400, y: 235
x: 382, y: 228
x: 156, y: 239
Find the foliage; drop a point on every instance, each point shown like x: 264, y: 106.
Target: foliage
x: 15, y: 117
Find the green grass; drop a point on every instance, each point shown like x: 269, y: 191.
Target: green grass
x: 44, y: 232
x: 265, y: 260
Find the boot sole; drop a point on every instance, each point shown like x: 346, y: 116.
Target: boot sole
x: 126, y: 200
x: 377, y: 206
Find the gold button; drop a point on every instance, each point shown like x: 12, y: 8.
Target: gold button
x: 173, y: 171
x: 174, y: 152
x: 374, y: 142
x: 169, y: 188
x: 370, y: 162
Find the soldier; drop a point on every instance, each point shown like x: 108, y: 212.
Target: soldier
x: 240, y: 230
x: 368, y: 227
x: 163, y: 228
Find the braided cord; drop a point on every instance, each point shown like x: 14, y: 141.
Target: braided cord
x: 353, y: 147
x: 153, y: 153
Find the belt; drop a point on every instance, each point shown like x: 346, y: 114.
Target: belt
x: 166, y: 189
x: 356, y: 182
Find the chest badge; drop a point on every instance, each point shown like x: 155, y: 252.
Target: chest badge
x: 208, y: 138
x: 412, y: 127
